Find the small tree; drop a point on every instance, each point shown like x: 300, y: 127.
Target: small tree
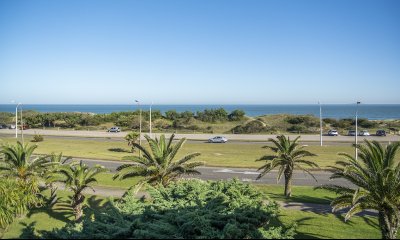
x: 159, y: 166
x: 132, y: 138
x: 78, y: 177
x: 288, y: 156
x: 376, y: 175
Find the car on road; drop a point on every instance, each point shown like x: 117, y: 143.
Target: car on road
x: 381, y: 133
x: 364, y: 133
x: 333, y: 133
x: 11, y: 126
x: 114, y: 129
x: 3, y: 126
x: 217, y: 139
x: 351, y: 133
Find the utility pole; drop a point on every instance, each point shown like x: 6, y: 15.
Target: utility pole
x: 150, y: 119
x: 320, y: 122
x: 140, y: 125
x: 356, y: 140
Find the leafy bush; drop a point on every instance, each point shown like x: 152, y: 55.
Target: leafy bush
x: 212, y: 115
x: 189, y: 209
x: 37, y: 138
x: 297, y: 129
x: 236, y: 115
x: 330, y: 121
x: 255, y: 126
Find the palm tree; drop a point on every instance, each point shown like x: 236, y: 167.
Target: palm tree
x: 78, y: 177
x: 376, y: 175
x: 288, y: 156
x: 51, y: 175
x: 131, y: 138
x: 19, y: 164
x: 159, y: 166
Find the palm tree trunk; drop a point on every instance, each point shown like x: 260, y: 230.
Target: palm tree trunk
x: 77, y: 206
x: 388, y: 228
x: 288, y: 184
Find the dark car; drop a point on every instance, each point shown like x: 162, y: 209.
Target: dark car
x: 381, y: 133
x: 3, y: 126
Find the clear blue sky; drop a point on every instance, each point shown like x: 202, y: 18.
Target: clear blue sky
x: 199, y: 52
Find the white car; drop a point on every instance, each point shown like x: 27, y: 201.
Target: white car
x: 114, y: 129
x: 364, y: 133
x: 333, y: 133
x: 217, y: 139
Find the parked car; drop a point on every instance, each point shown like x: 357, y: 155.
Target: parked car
x: 217, y: 139
x: 333, y: 133
x: 114, y: 129
x: 351, y: 133
x: 12, y: 126
x: 3, y: 126
x: 364, y: 133
x: 381, y: 133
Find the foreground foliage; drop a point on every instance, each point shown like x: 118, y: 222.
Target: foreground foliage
x: 185, y: 209
x: 376, y: 175
x: 16, y: 198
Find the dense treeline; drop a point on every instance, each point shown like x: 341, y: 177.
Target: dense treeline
x: 207, y: 121
x: 123, y: 119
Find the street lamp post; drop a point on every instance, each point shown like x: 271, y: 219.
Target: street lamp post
x: 16, y: 119
x: 150, y: 119
x: 22, y: 127
x: 356, y: 140
x: 140, y: 125
x: 320, y: 122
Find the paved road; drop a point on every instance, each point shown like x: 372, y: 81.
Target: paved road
x: 198, y: 137
x: 245, y: 174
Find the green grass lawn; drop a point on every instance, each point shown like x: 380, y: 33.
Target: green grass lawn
x: 329, y: 226
x: 50, y: 218
x: 219, y: 155
x: 300, y: 194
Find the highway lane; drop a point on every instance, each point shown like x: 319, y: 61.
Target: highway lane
x: 244, y: 174
x: 330, y: 141
x: 198, y: 137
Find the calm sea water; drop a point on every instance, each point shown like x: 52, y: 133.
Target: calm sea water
x: 370, y: 111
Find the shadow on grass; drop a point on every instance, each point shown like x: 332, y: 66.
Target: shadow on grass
x: 121, y: 150
x: 300, y: 199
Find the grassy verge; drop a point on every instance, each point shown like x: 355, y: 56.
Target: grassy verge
x: 219, y: 155
x: 46, y: 219
x: 301, y: 194
x: 329, y: 226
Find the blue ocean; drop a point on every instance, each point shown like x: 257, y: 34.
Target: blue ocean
x: 370, y: 111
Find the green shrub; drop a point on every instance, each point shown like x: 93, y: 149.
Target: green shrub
x: 38, y: 138
x: 188, y: 209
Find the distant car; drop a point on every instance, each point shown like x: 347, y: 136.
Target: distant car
x: 364, y: 133
x: 3, y: 126
x: 217, y: 139
x: 11, y: 126
x: 114, y: 129
x: 351, y: 133
x: 333, y: 133
x: 381, y: 133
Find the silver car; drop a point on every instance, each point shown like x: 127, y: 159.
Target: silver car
x: 217, y: 139
x: 114, y: 129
